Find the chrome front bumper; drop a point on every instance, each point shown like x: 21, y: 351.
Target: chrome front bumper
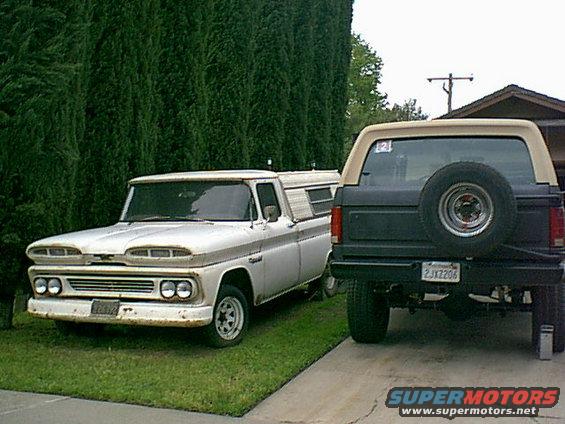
x: 130, y: 313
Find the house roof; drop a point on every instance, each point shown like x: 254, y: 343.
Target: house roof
x: 510, y: 91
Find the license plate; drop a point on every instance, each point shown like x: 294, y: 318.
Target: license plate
x: 105, y: 307
x: 441, y: 272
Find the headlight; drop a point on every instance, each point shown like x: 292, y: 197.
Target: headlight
x: 184, y: 289
x: 54, y: 286
x: 168, y: 289
x: 40, y: 285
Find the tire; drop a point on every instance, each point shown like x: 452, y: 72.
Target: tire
x: 467, y: 209
x: 6, y: 311
x: 67, y: 328
x: 231, y: 302
x: 367, y: 312
x: 548, y: 307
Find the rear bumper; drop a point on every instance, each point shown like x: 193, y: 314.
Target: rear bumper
x: 473, y: 273
x: 132, y: 313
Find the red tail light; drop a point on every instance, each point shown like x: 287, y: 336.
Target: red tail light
x: 556, y: 227
x: 336, y: 225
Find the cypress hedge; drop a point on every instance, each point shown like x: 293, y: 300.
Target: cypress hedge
x: 95, y: 93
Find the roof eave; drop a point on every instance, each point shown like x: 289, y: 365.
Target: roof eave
x: 503, y: 94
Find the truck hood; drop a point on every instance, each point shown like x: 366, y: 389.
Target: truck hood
x: 198, y: 237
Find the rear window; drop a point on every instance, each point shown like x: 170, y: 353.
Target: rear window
x: 410, y: 162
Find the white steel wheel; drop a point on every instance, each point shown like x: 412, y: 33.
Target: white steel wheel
x: 229, y: 318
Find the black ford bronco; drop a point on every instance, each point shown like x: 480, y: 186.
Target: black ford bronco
x: 458, y: 215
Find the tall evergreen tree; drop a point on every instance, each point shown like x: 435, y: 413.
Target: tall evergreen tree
x: 41, y: 125
x: 182, y: 82
x: 272, y: 83
x: 230, y: 83
x: 341, y: 63
x: 122, y: 108
x: 94, y: 93
x: 320, y: 144
x: 301, y: 75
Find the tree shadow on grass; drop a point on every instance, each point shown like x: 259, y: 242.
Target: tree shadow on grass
x: 486, y: 331
x: 284, y: 307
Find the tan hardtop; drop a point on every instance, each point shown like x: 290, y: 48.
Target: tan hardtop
x: 525, y: 130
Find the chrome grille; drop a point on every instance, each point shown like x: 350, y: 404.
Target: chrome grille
x: 111, y: 285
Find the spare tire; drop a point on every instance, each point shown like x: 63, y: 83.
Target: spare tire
x: 467, y: 209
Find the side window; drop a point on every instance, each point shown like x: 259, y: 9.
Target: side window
x: 321, y: 200
x: 268, y: 197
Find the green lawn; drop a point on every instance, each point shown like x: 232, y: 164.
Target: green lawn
x: 170, y: 367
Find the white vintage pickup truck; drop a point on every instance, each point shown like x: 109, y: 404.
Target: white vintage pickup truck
x: 193, y: 249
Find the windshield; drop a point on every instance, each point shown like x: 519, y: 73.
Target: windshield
x: 190, y: 201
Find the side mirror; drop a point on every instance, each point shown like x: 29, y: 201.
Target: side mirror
x: 271, y: 213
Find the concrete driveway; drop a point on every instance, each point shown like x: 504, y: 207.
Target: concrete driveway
x: 32, y: 408
x: 350, y: 384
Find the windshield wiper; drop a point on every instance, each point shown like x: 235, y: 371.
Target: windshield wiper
x: 167, y: 218
x: 172, y: 218
x: 156, y: 218
x: 197, y: 220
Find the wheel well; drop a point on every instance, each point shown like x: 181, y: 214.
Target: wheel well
x: 240, y: 278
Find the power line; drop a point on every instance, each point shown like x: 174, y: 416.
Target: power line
x: 449, y: 89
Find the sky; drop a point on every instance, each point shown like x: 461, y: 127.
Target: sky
x: 499, y: 42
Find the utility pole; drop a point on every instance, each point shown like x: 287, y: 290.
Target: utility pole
x: 449, y: 89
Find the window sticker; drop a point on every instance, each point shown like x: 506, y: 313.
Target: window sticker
x: 383, y: 146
